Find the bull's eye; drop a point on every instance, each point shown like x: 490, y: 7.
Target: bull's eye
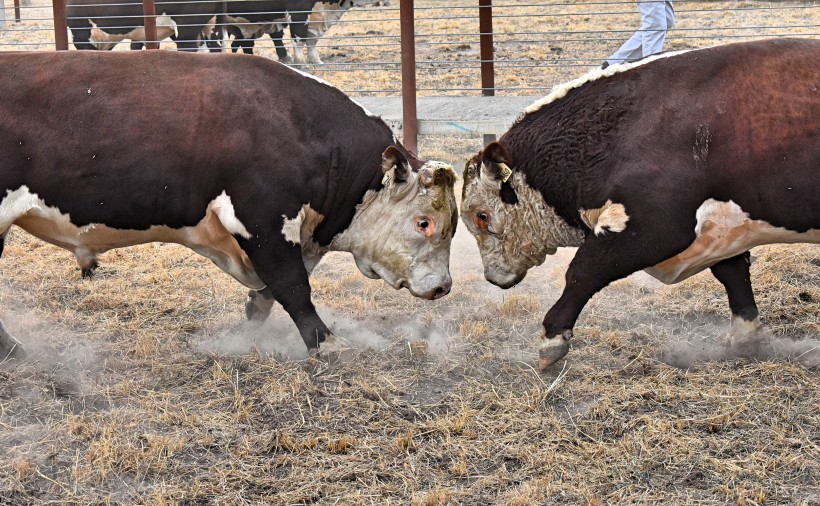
x: 425, y: 226
x: 482, y: 219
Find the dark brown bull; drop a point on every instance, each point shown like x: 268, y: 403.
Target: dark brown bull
x: 675, y: 164
x: 247, y: 162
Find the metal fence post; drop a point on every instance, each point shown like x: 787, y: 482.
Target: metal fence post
x: 16, y: 10
x: 486, y: 52
x: 149, y: 13
x: 408, y: 76
x: 60, y: 25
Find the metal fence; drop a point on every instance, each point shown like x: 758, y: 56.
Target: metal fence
x: 534, y: 44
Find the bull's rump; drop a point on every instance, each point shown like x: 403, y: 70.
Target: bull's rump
x: 150, y: 138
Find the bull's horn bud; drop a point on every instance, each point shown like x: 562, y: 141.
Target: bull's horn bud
x: 427, y: 177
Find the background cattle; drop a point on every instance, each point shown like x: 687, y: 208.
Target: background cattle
x: 123, y: 17
x: 264, y: 204
x: 675, y: 164
x: 308, y: 21
x: 166, y: 27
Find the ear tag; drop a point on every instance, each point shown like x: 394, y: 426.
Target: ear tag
x: 506, y: 172
x: 388, y: 178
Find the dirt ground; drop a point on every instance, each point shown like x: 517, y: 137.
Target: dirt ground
x: 145, y: 385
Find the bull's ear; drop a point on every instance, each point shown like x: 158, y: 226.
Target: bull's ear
x: 494, y: 160
x: 394, y: 166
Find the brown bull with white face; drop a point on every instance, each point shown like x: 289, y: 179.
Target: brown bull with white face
x: 675, y: 164
x: 302, y: 171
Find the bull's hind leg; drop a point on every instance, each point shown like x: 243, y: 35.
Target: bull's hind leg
x: 733, y: 273
x: 87, y: 261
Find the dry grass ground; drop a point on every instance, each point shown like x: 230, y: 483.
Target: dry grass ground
x: 145, y: 385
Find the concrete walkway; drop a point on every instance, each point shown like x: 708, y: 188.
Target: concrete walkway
x: 445, y: 115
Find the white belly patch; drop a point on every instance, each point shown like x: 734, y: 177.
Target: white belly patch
x: 212, y: 237
x: 723, y: 231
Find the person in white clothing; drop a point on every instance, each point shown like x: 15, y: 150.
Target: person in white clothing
x: 656, y: 18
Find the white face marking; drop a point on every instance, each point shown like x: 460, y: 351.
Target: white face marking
x: 212, y: 237
x: 514, y: 237
x: 723, y: 230
x: 608, y: 218
x: 561, y: 90
x: 402, y: 233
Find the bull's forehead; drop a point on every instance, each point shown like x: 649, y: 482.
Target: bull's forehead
x: 480, y: 191
x: 439, y: 197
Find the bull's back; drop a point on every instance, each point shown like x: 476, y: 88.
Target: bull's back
x: 154, y: 137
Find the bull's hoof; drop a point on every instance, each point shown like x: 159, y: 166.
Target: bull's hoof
x: 88, y: 272
x: 745, y: 333
x: 331, y: 349
x: 9, y: 346
x: 553, y: 349
x: 258, y: 307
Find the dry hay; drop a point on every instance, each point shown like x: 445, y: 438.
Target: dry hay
x: 146, y: 385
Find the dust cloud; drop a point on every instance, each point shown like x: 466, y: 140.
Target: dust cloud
x: 763, y: 346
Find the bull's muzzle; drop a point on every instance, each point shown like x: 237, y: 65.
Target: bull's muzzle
x: 437, y: 289
x: 503, y: 280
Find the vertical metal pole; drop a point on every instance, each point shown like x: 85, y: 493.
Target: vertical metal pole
x: 17, y: 10
x: 408, y: 76
x: 149, y: 13
x: 485, y: 28
x: 60, y: 25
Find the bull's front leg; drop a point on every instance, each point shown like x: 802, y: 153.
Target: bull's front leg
x: 279, y: 44
x: 312, y: 52
x: 598, y: 262
x: 281, y: 268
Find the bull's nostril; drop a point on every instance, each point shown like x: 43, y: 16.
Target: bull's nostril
x: 440, y: 292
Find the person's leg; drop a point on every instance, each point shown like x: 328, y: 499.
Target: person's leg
x: 654, y: 18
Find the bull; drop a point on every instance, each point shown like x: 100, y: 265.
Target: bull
x: 675, y: 164
x: 308, y: 21
x: 222, y: 155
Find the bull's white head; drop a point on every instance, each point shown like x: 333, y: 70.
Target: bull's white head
x: 514, y: 227
x: 402, y: 232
